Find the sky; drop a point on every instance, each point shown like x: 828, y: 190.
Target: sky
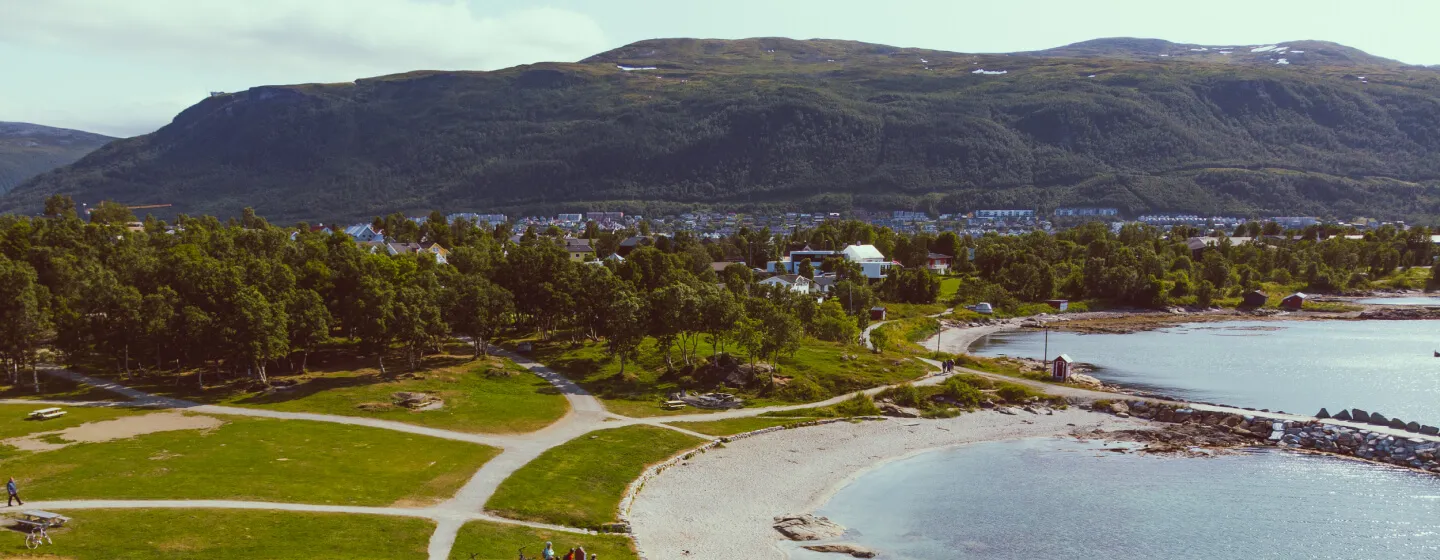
x: 126, y: 67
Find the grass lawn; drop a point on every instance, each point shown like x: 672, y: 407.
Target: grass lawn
x: 721, y: 428
x: 493, y: 541
x: 54, y: 388
x: 580, y: 483
x: 255, y: 459
x: 948, y: 287
x: 13, y: 422
x: 817, y: 371
x: 490, y: 395
x: 895, y: 311
x: 205, y: 534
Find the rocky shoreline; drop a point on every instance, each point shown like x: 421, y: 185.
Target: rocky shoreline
x: 1198, y: 432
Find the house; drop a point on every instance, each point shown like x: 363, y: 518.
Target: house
x: 824, y: 283
x: 1061, y: 305
x: 1254, y: 298
x: 579, y: 249
x: 615, y: 258
x: 364, y: 233
x: 434, y: 249
x: 720, y: 266
x: 790, y: 264
x: 1060, y: 370
x: 938, y: 263
x: 321, y: 229
x: 872, y: 262
x: 629, y: 244
x: 794, y: 282
x: 1294, y: 301
x: 877, y: 313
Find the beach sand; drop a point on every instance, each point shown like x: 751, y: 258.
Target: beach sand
x: 720, y: 505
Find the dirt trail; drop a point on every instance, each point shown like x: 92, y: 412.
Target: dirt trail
x: 109, y: 430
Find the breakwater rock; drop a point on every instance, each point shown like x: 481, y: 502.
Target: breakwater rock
x: 1198, y: 428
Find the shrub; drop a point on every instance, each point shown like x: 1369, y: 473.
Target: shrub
x: 903, y: 394
x: 1013, y: 393
x: 962, y: 393
x: 858, y: 405
x: 801, y: 389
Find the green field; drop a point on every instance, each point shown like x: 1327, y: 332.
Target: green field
x: 54, y: 388
x: 493, y: 541
x: 580, y: 483
x: 817, y: 371
x: 490, y: 395
x: 255, y: 459
x: 721, y: 428
x: 13, y: 421
x: 207, y: 534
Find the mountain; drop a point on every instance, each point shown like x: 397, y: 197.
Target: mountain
x: 27, y: 150
x: 773, y: 123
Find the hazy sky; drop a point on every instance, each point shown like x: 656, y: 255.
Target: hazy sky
x: 125, y: 67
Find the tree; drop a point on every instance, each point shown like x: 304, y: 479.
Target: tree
x: 374, y: 313
x: 111, y: 213
x: 309, y: 323
x: 879, y: 339
x: 418, y: 322
x: 832, y: 324
x: 256, y: 331
x: 479, y: 309
x: 805, y: 269
x: 625, y: 327
x: 23, y: 317
x: 59, y: 206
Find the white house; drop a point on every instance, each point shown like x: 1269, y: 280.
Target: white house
x: 790, y: 264
x: 871, y: 261
x: 363, y: 233
x: 794, y: 282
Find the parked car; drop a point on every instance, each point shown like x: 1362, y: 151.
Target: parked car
x: 984, y: 308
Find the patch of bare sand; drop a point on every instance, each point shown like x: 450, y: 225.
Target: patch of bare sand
x: 109, y: 430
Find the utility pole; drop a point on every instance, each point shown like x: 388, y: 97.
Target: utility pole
x: 938, y: 335
x: 1045, y: 359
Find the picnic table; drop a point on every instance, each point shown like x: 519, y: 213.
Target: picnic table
x: 39, y: 518
x: 47, y: 413
x: 674, y: 405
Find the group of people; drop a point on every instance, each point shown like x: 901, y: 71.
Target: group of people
x: 577, y: 553
x: 947, y: 366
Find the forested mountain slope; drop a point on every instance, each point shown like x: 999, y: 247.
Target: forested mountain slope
x: 27, y: 150
x: 819, y: 124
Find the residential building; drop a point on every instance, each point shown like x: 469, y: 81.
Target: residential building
x: 570, y: 218
x: 872, y: 262
x: 1086, y: 212
x: 1011, y: 213
x: 794, y: 282
x: 938, y: 263
x: 579, y: 249
x: 363, y: 233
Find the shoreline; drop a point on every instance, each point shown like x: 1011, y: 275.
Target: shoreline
x: 721, y: 504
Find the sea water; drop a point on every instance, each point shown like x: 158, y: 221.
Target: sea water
x: 1295, y: 366
x: 1053, y: 498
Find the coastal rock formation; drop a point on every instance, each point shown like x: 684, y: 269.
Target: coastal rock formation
x: 1378, y: 419
x: 417, y: 401
x: 1359, y: 415
x: 1344, y: 415
x: 897, y: 411
x: 1323, y: 414
x: 806, y: 527
x: 854, y: 550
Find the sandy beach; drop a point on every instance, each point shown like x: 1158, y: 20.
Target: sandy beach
x: 720, y: 505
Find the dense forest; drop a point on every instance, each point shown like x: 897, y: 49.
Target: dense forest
x: 242, y: 298
x: 663, y: 125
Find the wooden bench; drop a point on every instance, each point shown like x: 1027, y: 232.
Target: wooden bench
x: 47, y: 413
x: 673, y: 405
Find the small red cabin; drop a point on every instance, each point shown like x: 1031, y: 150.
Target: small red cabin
x: 1060, y: 370
x: 877, y: 313
x: 1294, y: 301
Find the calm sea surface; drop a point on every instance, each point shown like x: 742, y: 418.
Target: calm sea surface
x: 1042, y: 499
x: 1400, y: 301
x: 1295, y: 366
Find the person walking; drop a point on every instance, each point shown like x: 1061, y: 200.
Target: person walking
x: 549, y: 552
x: 580, y: 553
x: 570, y: 555
x: 14, y: 493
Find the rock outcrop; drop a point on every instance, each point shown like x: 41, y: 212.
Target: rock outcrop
x: 853, y: 550
x: 806, y: 527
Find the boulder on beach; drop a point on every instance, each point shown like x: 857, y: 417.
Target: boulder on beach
x: 1377, y: 419
x: 806, y: 527
x: 853, y: 550
x: 1397, y: 423
x: 1323, y: 414
x: 1359, y: 415
x: 1343, y: 415
x: 1412, y: 426
x: 1429, y: 430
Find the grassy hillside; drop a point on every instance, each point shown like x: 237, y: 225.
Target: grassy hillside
x: 27, y: 150
x: 663, y: 124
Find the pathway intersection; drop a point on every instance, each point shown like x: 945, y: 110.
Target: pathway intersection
x: 587, y: 414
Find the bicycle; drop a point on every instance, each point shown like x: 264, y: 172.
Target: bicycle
x: 36, y: 535
x: 523, y: 556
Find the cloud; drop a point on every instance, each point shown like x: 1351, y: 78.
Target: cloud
x: 389, y: 34
x: 148, y: 53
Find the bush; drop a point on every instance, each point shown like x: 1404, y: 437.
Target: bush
x: 801, y: 389
x: 1013, y: 393
x: 903, y: 394
x: 963, y: 393
x: 858, y: 405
